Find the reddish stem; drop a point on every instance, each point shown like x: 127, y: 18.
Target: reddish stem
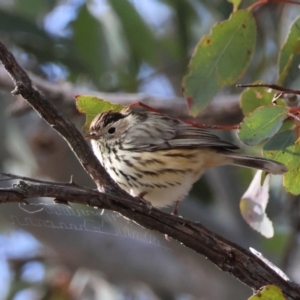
x: 144, y: 106
x: 261, y: 2
x: 233, y: 127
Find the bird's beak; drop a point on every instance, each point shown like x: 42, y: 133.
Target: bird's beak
x: 90, y: 136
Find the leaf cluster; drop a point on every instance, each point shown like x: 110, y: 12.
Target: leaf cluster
x: 221, y: 59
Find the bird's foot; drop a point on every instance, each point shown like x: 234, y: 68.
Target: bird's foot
x: 141, y: 199
x: 175, y: 210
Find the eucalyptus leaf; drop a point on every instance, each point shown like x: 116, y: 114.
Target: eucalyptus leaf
x: 285, y: 148
x: 91, y: 106
x: 219, y: 59
x: 261, y: 124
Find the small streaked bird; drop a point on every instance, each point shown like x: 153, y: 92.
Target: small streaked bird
x: 158, y: 158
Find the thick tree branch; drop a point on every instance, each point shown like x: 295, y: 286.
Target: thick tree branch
x: 224, y: 110
x: 228, y: 256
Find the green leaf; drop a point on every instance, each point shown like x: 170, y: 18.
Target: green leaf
x: 138, y: 34
x: 261, y: 124
x: 184, y: 18
x: 220, y: 59
x: 268, y: 292
x: 290, y: 49
x: 284, y: 148
x: 26, y: 34
x: 91, y: 106
x: 32, y: 8
x: 89, y: 43
x: 31, y: 38
x: 254, y: 97
x: 13, y: 23
x: 235, y: 3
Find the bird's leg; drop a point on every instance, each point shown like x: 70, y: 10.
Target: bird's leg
x: 140, y: 197
x: 175, y: 210
x: 175, y: 213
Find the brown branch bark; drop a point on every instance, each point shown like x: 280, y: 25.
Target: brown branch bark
x: 229, y: 257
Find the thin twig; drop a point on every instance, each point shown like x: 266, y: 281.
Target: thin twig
x: 272, y: 86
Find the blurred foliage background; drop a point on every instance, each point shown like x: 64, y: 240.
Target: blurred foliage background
x: 113, y: 46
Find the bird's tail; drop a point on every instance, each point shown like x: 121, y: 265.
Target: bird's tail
x: 269, y: 165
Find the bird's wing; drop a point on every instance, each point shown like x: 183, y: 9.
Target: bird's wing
x: 159, y: 132
x: 187, y: 134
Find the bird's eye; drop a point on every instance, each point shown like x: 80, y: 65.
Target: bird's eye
x: 111, y: 130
